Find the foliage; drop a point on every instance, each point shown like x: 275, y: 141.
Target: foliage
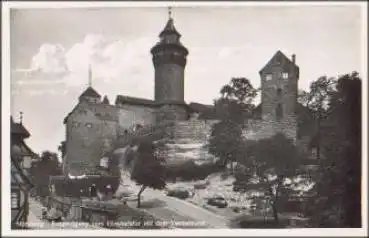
x: 271, y: 162
x: 147, y: 169
x: 63, y: 148
x: 225, y: 141
x: 233, y: 108
x: 42, y: 170
x: 338, y: 190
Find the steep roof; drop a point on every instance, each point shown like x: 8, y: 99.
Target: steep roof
x: 90, y: 92
x: 18, y: 129
x: 105, y: 100
x: 169, y: 28
x: 120, y: 99
x: 102, y: 111
x: 279, y: 58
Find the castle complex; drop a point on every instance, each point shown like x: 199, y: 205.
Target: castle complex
x: 94, y: 124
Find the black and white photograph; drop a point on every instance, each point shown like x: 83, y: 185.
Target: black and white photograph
x: 238, y: 118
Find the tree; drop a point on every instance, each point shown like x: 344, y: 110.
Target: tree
x: 147, y: 170
x: 317, y: 100
x: 225, y: 141
x: 273, y: 161
x: 232, y: 108
x: 339, y: 185
x: 42, y: 170
x: 62, y: 148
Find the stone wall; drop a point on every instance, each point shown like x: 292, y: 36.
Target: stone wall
x: 88, y: 137
x: 171, y: 112
x: 187, y: 142
x: 130, y: 115
x: 260, y: 129
x: 169, y: 83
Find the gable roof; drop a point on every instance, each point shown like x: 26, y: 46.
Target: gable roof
x: 90, y: 92
x: 102, y: 111
x: 286, y: 63
x: 120, y: 99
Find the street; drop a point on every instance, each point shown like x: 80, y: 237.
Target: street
x: 174, y: 209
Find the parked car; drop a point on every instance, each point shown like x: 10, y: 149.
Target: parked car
x: 218, y: 201
x: 178, y: 193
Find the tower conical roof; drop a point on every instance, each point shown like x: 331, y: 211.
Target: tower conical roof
x: 169, y: 29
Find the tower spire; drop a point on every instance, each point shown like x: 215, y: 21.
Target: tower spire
x: 89, y: 75
x: 20, y: 117
x: 170, y: 12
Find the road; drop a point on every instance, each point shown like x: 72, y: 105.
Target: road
x: 182, y: 211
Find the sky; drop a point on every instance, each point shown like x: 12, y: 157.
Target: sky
x: 50, y: 50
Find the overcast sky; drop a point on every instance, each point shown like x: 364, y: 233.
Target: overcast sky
x: 51, y: 48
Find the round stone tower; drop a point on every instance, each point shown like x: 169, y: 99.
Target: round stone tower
x: 169, y: 59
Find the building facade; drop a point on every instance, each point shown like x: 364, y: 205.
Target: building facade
x: 21, y: 185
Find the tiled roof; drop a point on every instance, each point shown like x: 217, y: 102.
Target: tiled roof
x: 19, y: 129
x: 90, y: 92
x: 134, y: 101
x: 169, y: 28
x: 279, y: 56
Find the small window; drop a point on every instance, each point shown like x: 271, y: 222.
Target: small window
x: 268, y: 77
x: 88, y: 125
x: 285, y: 75
x: 15, y: 200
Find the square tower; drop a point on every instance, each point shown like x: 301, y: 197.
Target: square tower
x: 279, y: 87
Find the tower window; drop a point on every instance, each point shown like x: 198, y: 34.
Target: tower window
x: 285, y: 75
x: 268, y: 77
x: 279, y: 112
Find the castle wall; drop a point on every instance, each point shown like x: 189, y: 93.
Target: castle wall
x: 187, y: 141
x: 88, y: 137
x: 130, y: 115
x: 171, y: 112
x: 261, y: 129
x: 169, y: 82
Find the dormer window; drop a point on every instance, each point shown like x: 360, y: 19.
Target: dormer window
x: 268, y: 77
x: 285, y: 75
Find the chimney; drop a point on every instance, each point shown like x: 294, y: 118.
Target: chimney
x: 294, y: 58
